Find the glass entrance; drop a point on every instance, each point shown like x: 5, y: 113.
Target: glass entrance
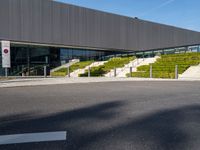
x: 28, y: 60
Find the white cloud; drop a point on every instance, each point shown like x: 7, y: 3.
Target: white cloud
x: 157, y: 7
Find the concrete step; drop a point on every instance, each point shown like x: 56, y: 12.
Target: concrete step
x: 192, y: 72
x: 73, y: 61
x: 121, y: 72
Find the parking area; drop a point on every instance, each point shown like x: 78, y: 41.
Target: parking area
x: 126, y: 115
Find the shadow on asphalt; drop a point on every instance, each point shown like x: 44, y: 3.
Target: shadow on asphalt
x: 92, y: 128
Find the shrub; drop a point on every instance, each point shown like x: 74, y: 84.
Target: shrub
x: 78, y: 65
x: 94, y: 72
x: 117, y: 62
x: 58, y: 74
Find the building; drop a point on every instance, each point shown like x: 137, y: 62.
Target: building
x: 48, y: 32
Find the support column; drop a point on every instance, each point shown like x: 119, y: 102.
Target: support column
x: 28, y: 61
x: 6, y: 72
x: 45, y: 71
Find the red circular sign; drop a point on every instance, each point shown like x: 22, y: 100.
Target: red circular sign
x: 5, y: 51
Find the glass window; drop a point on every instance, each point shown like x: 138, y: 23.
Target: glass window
x: 148, y: 54
x: 169, y: 51
x: 158, y: 52
x: 139, y: 54
x: 180, y: 50
x: 30, y: 60
x: 193, y: 48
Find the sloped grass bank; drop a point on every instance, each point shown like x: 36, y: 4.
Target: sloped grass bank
x: 164, y: 67
x: 117, y: 62
x: 78, y: 65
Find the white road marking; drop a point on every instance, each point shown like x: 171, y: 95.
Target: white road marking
x: 33, y: 137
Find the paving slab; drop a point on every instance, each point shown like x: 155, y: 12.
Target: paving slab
x: 53, y: 81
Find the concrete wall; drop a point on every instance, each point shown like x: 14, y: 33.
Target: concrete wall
x: 49, y: 22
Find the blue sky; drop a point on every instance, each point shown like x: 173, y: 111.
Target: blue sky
x: 181, y: 13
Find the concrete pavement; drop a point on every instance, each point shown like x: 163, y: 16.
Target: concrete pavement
x: 54, y: 81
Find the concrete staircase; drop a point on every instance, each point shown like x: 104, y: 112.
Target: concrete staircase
x: 192, y: 72
x: 121, y: 72
x: 81, y: 71
x: 73, y: 61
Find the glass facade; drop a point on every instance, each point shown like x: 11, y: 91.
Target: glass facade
x: 68, y: 54
x: 29, y: 60
x: 152, y: 53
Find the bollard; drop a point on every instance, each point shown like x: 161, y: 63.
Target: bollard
x: 68, y: 71
x: 150, y: 71
x: 176, y: 72
x: 45, y: 71
x: 88, y: 71
x: 115, y: 72
x: 131, y: 71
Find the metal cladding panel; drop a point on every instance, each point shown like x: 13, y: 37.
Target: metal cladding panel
x: 14, y: 20
x: 50, y: 22
x: 46, y: 25
x: 4, y: 19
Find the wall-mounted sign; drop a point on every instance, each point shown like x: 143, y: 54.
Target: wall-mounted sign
x: 5, y: 50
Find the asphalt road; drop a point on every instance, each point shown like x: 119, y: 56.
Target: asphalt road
x: 105, y: 116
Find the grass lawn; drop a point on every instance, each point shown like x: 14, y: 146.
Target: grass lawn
x: 164, y: 67
x: 78, y: 65
x: 6, y: 78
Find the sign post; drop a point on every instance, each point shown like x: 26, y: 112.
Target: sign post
x: 6, y: 62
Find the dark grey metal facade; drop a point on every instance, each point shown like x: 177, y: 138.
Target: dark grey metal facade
x: 49, y: 22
